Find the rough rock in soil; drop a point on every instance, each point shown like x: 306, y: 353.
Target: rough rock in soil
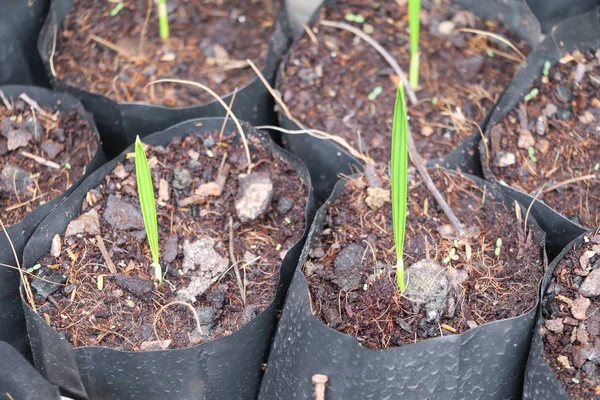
x: 353, y: 289
x: 256, y: 191
x: 65, y: 139
x: 571, y: 347
x: 333, y: 84
x: 194, y: 249
x: 210, y: 265
x: 209, y: 43
x: 47, y: 282
x: 553, y: 141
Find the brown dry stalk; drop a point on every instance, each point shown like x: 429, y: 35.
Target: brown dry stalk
x: 28, y: 292
x: 227, y: 115
x: 497, y: 37
x: 225, y: 106
x: 412, y: 148
x: 569, y: 181
x: 238, y: 277
x: 109, y: 263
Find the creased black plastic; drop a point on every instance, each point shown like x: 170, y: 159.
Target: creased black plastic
x: 540, y: 381
x: 316, y: 152
x: 20, y: 25
x: 552, y: 12
x: 227, y: 368
x: 486, y: 362
x: 123, y: 121
x: 19, y: 380
x: 12, y: 320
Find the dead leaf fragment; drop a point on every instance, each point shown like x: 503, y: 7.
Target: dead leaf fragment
x: 56, y: 246
x: 88, y: 222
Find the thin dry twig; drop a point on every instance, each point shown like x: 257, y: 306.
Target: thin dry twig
x: 28, y: 292
x: 144, y: 28
x: 53, y: 51
x: 238, y: 277
x: 109, y: 263
x: 225, y: 106
x: 5, y: 101
x: 379, y: 48
x: 227, y: 115
x: 113, y: 47
x: 183, y: 303
x: 497, y: 37
x: 310, y: 33
x: 41, y: 160
x: 568, y: 182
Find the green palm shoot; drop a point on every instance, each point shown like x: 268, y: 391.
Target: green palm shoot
x: 414, y: 11
x: 146, y: 195
x: 163, y: 19
x: 399, y: 181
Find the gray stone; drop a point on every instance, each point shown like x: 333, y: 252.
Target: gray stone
x: 135, y: 285
x: 347, y: 267
x: 505, y: 159
x: 563, y: 114
x: 373, y: 179
x: 550, y: 110
x: 18, y: 138
x: 35, y: 127
x: 13, y: 177
x: 591, y: 285
x: 249, y: 314
x: 43, y: 282
x: 217, y: 296
x: 171, y: 248
x: 254, y: 195
x: 210, y: 265
x: 206, y: 316
x: 540, y: 125
x: 428, y: 288
x: 123, y: 215
x: 284, y: 205
x: 564, y: 93
x: 469, y: 67
x: 555, y: 325
x: 181, y: 178
x: 52, y: 149
x: 209, y: 142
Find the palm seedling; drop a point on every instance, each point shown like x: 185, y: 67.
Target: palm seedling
x: 163, y: 19
x: 399, y: 181
x: 147, y: 204
x: 414, y: 10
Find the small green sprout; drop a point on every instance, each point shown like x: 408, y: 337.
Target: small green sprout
x: 534, y: 92
x: 117, y: 9
x: 597, y: 167
x: 547, y: 66
x: 434, y: 100
x: 163, y: 19
x: 531, y: 152
x: 210, y: 153
x: 376, y: 5
x: 498, y: 247
x: 359, y: 19
x: 34, y: 268
x: 68, y: 165
x: 399, y: 181
x: 287, y: 220
x: 377, y: 90
x: 147, y: 204
x: 489, y: 53
x: 414, y: 11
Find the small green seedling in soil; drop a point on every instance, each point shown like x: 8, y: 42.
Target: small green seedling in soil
x: 597, y: 167
x: 147, y: 204
x: 399, y: 181
x: 34, y: 268
x: 414, y: 10
x: 498, y: 247
x: 547, y: 66
x: 375, y: 92
x: 489, y: 53
x: 534, y: 92
x: 531, y: 152
x: 163, y: 19
x: 117, y: 9
x: 359, y: 19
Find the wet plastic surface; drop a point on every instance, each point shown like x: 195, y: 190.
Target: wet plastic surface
x: 553, y: 12
x: 226, y: 368
x: 486, y: 362
x: 12, y: 320
x: 123, y: 121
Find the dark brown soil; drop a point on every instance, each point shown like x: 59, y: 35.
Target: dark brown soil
x: 571, y: 329
x: 66, y: 140
x: 484, y: 287
x: 326, y: 85
x: 209, y: 43
x: 121, y: 314
x: 562, y: 126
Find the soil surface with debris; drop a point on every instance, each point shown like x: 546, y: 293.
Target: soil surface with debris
x: 42, y: 152
x: 209, y: 43
x: 343, y: 86
x: 455, y: 284
x: 571, y: 312
x: 201, y: 185
x: 553, y: 140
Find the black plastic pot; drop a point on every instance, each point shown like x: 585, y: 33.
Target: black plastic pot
x: 20, y: 25
x: 227, y: 368
x: 579, y: 32
x: 552, y: 12
x: 315, y: 152
x: 12, y: 320
x: 486, y: 362
x: 21, y: 381
x: 540, y: 381
x: 123, y: 121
